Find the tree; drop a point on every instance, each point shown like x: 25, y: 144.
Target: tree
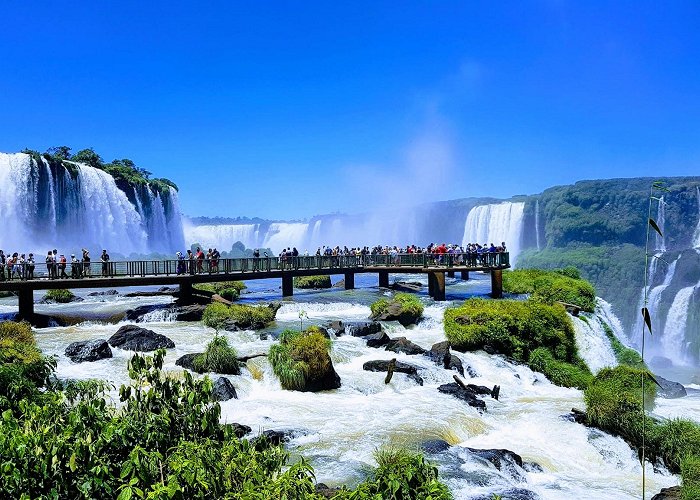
x: 89, y: 157
x: 59, y: 152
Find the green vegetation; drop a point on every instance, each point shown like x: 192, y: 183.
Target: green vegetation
x: 401, y: 475
x: 60, y: 296
x: 300, y: 358
x: 312, y: 282
x: 403, y: 307
x: 623, y: 354
x: 229, y: 290
x: 614, y: 404
x: 218, y: 316
x: 527, y: 331
x: 219, y: 357
x: 165, y: 440
x: 564, y: 285
x: 124, y: 171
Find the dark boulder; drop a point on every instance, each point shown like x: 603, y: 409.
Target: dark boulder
x: 406, y: 286
x: 402, y: 344
x: 88, y: 350
x: 440, y: 354
x: 135, y: 338
x: 326, y: 492
x: 577, y: 416
x: 362, y: 328
x: 239, y: 430
x: 336, y: 326
x: 672, y: 493
x: 138, y: 313
x: 467, y: 395
x: 377, y: 339
x: 510, y: 494
x: 532, y: 467
x: 435, y: 446
x: 382, y: 365
x: 187, y: 361
x: 499, y: 458
x: 104, y: 293
x: 275, y: 438
x: 323, y: 382
x: 192, y: 312
x: 224, y: 389
x: 669, y: 389
x: 472, y: 372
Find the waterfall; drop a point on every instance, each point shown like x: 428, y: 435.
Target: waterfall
x: 282, y: 235
x: 495, y: 223
x: 673, y: 338
x: 592, y: 342
x: 537, y: 223
x: 223, y: 236
x: 44, y: 205
x: 661, y: 222
x: 696, y: 234
x: 654, y: 297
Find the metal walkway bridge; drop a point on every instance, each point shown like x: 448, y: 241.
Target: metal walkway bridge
x: 185, y: 273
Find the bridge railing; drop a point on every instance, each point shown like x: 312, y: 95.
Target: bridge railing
x: 136, y: 268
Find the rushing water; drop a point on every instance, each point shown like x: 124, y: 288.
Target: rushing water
x: 495, y: 223
x: 340, y: 430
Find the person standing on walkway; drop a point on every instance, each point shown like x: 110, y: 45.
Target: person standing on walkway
x: 30, y: 266
x: 62, y: 266
x: 86, y: 262
x: 104, y: 258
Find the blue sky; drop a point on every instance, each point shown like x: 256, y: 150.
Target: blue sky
x: 290, y: 109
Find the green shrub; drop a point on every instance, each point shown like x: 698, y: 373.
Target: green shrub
x: 551, y: 286
x: 623, y: 354
x: 676, y: 439
x: 312, y: 282
x: 299, y: 358
x: 379, y: 307
x: 60, y: 296
x: 17, y: 344
x: 218, y: 315
x: 400, y: 475
x: 614, y: 401
x: 690, y: 476
x: 219, y: 357
x: 223, y: 288
x: 558, y: 372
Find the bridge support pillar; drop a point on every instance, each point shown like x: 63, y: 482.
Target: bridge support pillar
x: 287, y: 285
x: 384, y: 279
x: 450, y: 274
x: 26, y: 304
x: 349, y: 281
x: 185, y: 293
x: 496, y: 283
x: 437, y: 290
x: 464, y: 275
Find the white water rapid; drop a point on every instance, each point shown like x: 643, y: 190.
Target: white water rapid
x: 696, y: 234
x: 338, y: 431
x: 44, y: 206
x: 673, y: 339
x: 495, y: 223
x: 661, y: 222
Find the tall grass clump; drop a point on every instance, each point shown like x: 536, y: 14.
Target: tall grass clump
x: 306, y: 282
x: 402, y: 307
x: 60, y: 296
x: 219, y: 316
x: 300, y: 358
x: 219, y: 357
x: 229, y: 290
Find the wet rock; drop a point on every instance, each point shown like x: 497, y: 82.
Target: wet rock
x: 336, y: 326
x: 275, y: 438
x: 577, y: 416
x: 88, y: 350
x: 153, y: 293
x: 325, y: 491
x: 138, y: 313
x: 377, y: 339
x: 672, y: 493
x: 362, y: 328
x: 239, y: 430
x: 45, y: 321
x: 440, y: 354
x: 532, y: 467
x: 402, y: 344
x: 435, y: 446
x: 326, y: 381
x: 187, y: 361
x: 135, y: 338
x: 407, y: 286
x: 224, y: 389
x: 467, y: 395
x: 192, y: 312
x: 498, y: 457
x: 104, y: 293
x: 669, y: 389
x: 511, y: 494
x: 660, y: 362
x: 472, y: 372
x: 382, y: 365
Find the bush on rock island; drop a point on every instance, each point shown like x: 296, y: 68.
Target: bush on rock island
x: 238, y: 316
x: 302, y: 362
x: 530, y: 332
x: 219, y: 357
x: 405, y: 308
x: 313, y: 282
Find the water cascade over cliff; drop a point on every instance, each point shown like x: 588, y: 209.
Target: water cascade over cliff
x: 46, y: 205
x: 495, y: 223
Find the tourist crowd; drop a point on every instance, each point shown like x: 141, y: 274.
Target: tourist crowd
x: 22, y: 266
